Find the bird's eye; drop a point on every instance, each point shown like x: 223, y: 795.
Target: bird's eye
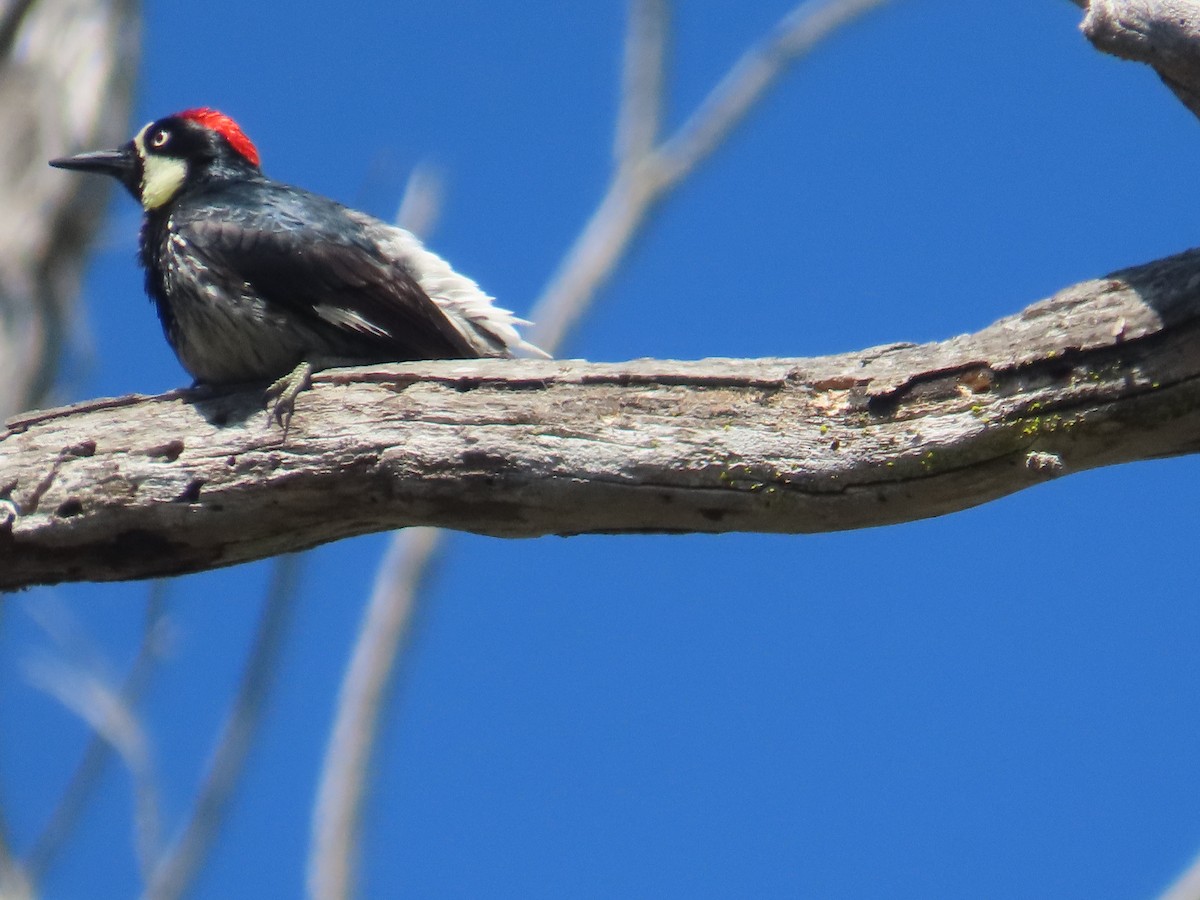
x: 159, y: 139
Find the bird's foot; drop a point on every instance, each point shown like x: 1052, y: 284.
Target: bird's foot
x: 286, y: 390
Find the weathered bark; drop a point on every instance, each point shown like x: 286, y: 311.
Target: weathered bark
x: 1164, y: 34
x: 1105, y: 372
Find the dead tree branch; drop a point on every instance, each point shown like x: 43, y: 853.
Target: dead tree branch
x: 1164, y: 35
x: 1104, y: 372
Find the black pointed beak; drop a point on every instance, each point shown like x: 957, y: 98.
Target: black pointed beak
x: 107, y: 162
x: 121, y: 164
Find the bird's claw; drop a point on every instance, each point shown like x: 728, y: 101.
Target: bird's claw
x: 285, y: 391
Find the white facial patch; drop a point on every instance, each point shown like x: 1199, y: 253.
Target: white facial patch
x: 162, y: 176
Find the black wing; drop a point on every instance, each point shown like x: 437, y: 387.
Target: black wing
x: 307, y: 254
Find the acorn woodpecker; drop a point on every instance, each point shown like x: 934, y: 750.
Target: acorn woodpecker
x: 255, y: 280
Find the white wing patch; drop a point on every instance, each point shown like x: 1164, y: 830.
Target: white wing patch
x: 336, y: 315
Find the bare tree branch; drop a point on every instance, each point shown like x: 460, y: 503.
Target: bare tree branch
x: 80, y: 787
x: 337, y: 819
x: 1102, y: 373
x: 421, y: 204
x: 1165, y: 36
x: 643, y: 81
x: 83, y: 688
x: 178, y: 866
x: 795, y: 36
x: 1186, y: 886
x: 14, y: 881
x: 638, y: 184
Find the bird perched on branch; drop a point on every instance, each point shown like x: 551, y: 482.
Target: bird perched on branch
x: 256, y: 280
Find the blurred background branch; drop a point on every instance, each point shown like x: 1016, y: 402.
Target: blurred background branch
x: 176, y: 869
x: 1186, y: 886
x: 83, y: 782
x: 77, y: 675
x: 66, y: 82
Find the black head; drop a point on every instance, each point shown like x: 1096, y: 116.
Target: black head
x: 171, y: 152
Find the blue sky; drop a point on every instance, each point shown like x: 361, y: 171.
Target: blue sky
x: 997, y: 703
